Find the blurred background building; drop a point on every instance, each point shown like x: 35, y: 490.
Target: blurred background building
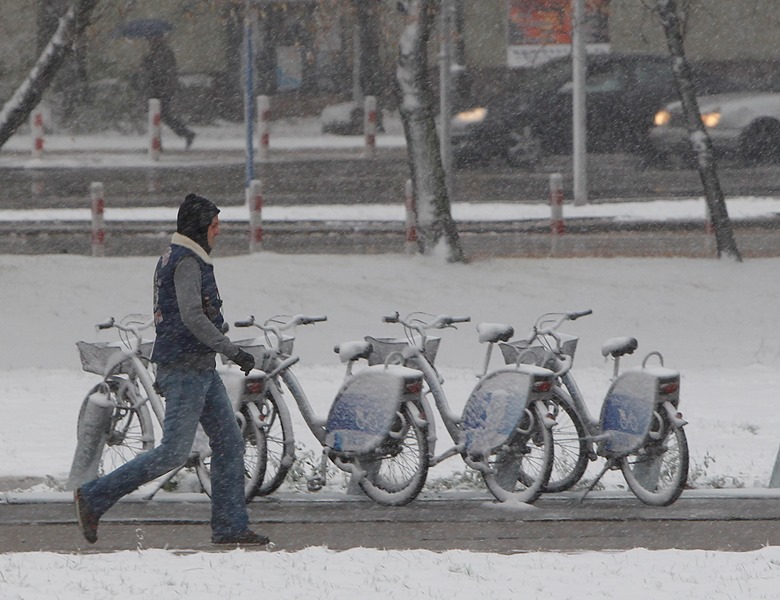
x: 311, y: 53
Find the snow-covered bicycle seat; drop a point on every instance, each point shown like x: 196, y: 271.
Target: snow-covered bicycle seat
x: 494, y: 332
x: 619, y: 346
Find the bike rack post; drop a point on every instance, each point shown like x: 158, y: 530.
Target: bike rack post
x: 263, y: 119
x: 98, y: 220
x: 369, y: 126
x: 410, y: 244
x: 36, y: 126
x: 155, y: 119
x: 254, y: 200
x: 556, y: 210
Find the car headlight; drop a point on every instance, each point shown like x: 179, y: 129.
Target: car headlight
x: 662, y: 117
x: 711, y: 119
x: 474, y: 115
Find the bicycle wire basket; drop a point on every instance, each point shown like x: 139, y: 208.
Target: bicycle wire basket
x: 95, y: 356
x: 258, y: 349
x: 382, y: 348
x: 513, y: 350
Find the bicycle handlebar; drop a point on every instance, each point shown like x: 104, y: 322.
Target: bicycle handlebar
x: 291, y: 323
x: 547, y: 325
x: 135, y: 329
x: 438, y: 322
x: 543, y: 327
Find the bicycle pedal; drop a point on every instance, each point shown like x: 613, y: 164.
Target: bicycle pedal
x: 315, y: 484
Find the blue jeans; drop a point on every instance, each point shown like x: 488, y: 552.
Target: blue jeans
x: 190, y: 397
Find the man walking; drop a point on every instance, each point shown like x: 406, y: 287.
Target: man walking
x: 161, y: 77
x: 189, y: 333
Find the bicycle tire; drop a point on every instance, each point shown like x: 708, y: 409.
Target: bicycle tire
x: 396, y: 472
x: 254, y: 458
x: 531, y: 451
x: 663, y: 461
x: 276, y: 420
x: 571, y: 448
x: 128, y: 432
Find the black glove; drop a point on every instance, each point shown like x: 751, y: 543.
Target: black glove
x: 244, y: 360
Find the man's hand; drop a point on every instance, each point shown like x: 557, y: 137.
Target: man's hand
x: 244, y: 360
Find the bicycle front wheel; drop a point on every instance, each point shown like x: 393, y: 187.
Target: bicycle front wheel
x: 658, y: 472
x: 110, y: 433
x: 276, y: 421
x: 519, y: 470
x: 254, y: 457
x: 571, y: 447
x: 396, y: 472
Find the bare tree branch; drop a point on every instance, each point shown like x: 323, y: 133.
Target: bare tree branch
x: 16, y: 111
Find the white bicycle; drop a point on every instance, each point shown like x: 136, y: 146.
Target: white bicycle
x: 122, y: 415
x: 505, y: 425
x: 374, y: 429
x: 639, y: 430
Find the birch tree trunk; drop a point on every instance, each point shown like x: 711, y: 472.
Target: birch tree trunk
x: 702, y: 144
x: 16, y: 111
x: 434, y: 219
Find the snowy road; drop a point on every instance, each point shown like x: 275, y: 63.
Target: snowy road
x: 320, y: 177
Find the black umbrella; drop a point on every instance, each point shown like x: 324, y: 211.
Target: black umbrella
x: 143, y: 28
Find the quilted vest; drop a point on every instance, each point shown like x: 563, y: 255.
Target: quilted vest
x: 174, y: 340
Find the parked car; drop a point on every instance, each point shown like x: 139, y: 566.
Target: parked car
x: 743, y: 125
x: 532, y: 116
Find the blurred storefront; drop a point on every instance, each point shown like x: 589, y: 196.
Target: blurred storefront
x: 538, y: 30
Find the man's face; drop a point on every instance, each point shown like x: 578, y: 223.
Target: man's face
x: 213, y: 232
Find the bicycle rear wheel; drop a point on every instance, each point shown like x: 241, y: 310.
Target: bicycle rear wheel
x: 254, y: 457
x: 658, y: 472
x: 396, y: 472
x: 110, y: 432
x: 520, y: 469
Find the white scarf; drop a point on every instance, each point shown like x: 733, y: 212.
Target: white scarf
x: 183, y: 240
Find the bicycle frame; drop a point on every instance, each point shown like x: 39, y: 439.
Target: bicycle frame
x: 142, y: 375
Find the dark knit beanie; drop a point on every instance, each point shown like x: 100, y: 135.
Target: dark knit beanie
x: 195, y: 215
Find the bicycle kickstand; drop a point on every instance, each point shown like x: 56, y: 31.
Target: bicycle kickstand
x: 163, y: 482
x: 316, y: 481
x: 607, y: 466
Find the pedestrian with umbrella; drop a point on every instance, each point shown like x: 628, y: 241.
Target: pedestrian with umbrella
x: 160, y: 74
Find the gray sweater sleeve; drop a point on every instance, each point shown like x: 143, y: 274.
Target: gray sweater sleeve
x: 186, y: 280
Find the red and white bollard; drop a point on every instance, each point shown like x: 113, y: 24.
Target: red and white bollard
x: 410, y: 239
x: 155, y: 129
x: 36, y: 126
x: 556, y: 209
x: 369, y: 126
x: 98, y: 219
x: 263, y: 126
x: 254, y: 200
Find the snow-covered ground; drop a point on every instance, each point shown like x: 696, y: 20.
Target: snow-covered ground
x: 712, y: 320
